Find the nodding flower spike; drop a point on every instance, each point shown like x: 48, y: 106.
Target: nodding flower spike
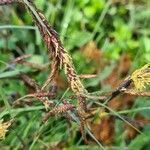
x: 56, y: 49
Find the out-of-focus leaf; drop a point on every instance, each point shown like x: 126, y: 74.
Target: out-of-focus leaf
x: 139, y: 141
x: 78, y: 39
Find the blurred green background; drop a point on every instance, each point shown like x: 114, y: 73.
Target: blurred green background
x: 101, y: 36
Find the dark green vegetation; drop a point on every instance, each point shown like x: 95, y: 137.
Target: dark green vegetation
x: 118, y: 29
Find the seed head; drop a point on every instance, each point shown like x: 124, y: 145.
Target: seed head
x: 141, y: 77
x: 3, y: 128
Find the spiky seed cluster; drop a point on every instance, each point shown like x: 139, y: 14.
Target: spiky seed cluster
x: 72, y: 76
x: 42, y: 94
x: 54, y: 73
x: 59, y: 110
x: 141, y: 77
x: 60, y: 57
x: 4, y: 128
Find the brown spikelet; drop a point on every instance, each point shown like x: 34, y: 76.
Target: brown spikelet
x: 59, y: 110
x: 82, y: 103
x: 41, y: 94
x: 72, y: 76
x: 42, y: 97
x: 81, y: 115
x: 135, y: 93
x: 87, y: 76
x: 49, y: 95
x: 53, y: 75
x: 30, y: 82
x: 18, y: 59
